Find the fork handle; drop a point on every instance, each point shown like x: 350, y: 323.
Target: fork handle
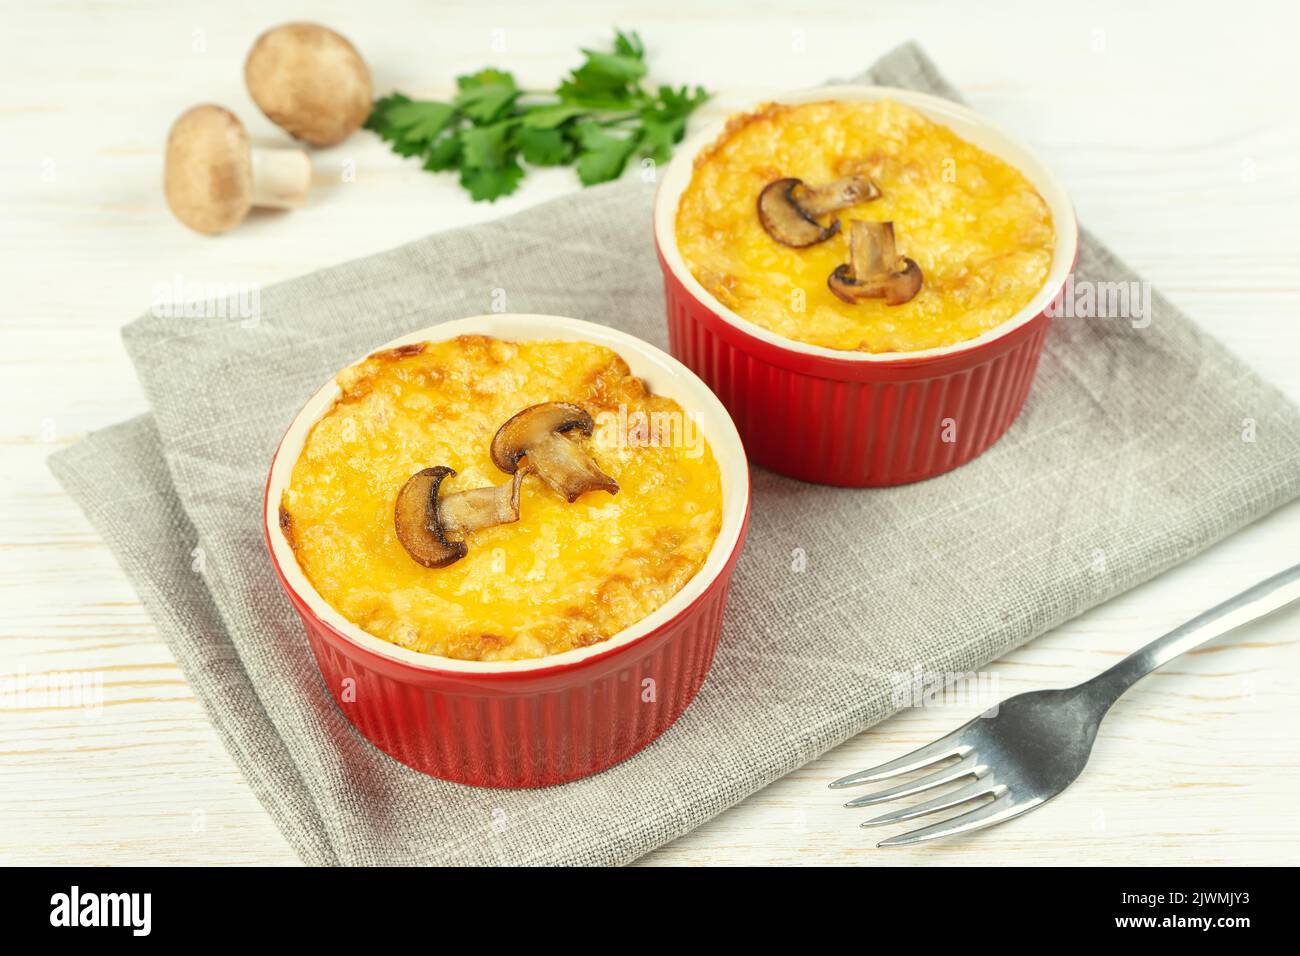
x: 1264, y: 598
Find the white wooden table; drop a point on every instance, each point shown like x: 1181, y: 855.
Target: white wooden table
x: 1175, y: 129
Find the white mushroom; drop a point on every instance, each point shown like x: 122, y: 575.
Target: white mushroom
x: 310, y: 81
x: 538, y: 433
x: 788, y: 208
x: 423, y: 517
x: 875, y: 270
x: 212, y: 176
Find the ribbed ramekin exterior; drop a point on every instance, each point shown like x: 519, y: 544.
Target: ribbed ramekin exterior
x: 857, y: 424
x: 529, y: 728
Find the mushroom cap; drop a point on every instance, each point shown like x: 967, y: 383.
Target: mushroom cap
x: 525, y: 427
x: 538, y: 432
x: 895, y: 287
x: 786, y: 221
x: 208, y: 170
x: 310, y: 81
x: 418, y: 524
x: 788, y: 208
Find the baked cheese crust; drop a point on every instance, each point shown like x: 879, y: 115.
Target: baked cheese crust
x: 564, y: 575
x: 978, y: 229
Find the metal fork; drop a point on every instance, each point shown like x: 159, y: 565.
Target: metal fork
x: 1029, y: 748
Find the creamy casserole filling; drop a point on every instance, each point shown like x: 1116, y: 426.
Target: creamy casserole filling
x: 563, y: 574
x: 979, y: 236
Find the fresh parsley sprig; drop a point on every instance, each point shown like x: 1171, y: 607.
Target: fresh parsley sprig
x: 599, y: 118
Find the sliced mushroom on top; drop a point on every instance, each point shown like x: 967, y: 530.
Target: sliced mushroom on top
x: 539, y: 434
x: 424, y: 518
x: 836, y: 195
x: 875, y: 270
x: 788, y: 207
x: 463, y: 512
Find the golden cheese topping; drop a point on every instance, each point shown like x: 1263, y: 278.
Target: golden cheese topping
x: 562, y: 576
x: 980, y: 232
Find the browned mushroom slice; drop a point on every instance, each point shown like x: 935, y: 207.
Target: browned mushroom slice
x: 416, y: 518
x: 875, y: 270
x: 538, y: 432
x: 787, y: 207
x: 478, y: 508
x: 424, y: 519
x: 837, y: 195
x: 784, y: 219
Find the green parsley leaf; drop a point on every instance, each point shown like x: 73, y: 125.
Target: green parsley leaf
x: 601, y: 157
x: 550, y: 116
x: 545, y: 147
x: 408, y: 125
x: 487, y: 146
x: 491, y: 184
x: 444, y: 155
x: 603, y: 75
x: 629, y: 44
x: 664, y: 121
x: 485, y: 95
x: 489, y: 165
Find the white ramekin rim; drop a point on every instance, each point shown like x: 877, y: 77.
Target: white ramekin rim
x: 660, y: 371
x: 963, y: 121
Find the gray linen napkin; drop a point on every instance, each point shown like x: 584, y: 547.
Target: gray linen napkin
x: 1138, y: 448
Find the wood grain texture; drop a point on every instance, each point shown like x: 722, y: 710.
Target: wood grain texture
x: 1174, y: 128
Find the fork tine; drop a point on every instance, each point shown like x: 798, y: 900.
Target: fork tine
x: 1003, y: 808
x: 976, y: 788
x: 963, y: 768
x: 947, y: 746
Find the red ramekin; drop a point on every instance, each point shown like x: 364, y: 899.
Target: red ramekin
x: 538, y: 722
x: 856, y: 418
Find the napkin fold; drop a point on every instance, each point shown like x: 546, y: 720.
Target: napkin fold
x: 1139, y: 446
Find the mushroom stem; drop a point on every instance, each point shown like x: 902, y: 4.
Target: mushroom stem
x: 875, y: 270
x: 463, y: 512
x: 834, y: 196
x: 423, y: 518
x: 872, y: 251
x: 281, y: 178
x: 567, y: 468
